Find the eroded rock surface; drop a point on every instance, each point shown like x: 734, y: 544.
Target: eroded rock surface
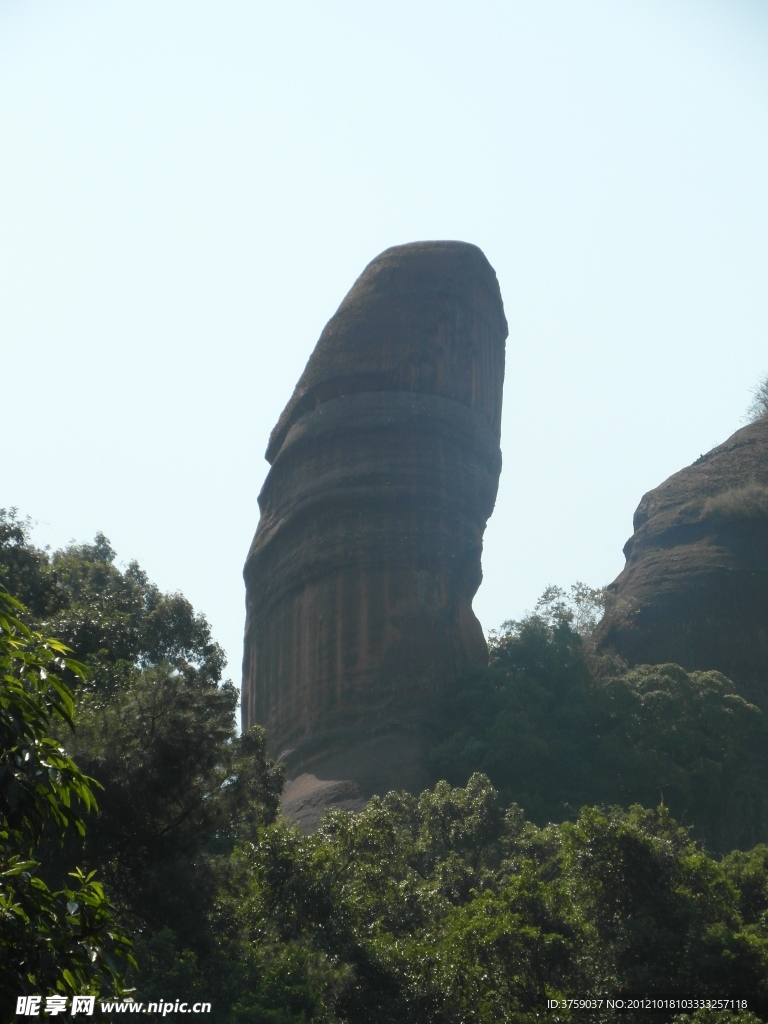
x: 384, y: 470
x: 695, y: 587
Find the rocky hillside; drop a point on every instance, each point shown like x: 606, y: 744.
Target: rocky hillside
x: 695, y: 587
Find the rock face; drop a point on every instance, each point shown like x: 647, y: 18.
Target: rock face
x: 384, y: 470
x: 695, y: 587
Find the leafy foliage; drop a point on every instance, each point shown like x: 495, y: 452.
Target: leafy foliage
x: 447, y: 908
x: 180, y: 788
x: 60, y: 940
x: 113, y: 620
x: 758, y: 408
x: 746, y: 504
x: 156, y: 727
x: 556, y: 728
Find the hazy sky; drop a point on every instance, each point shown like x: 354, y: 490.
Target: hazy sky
x: 188, y: 190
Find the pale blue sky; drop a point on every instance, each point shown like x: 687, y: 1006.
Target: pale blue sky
x: 188, y: 189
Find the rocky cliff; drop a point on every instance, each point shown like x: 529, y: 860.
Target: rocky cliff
x: 695, y: 586
x: 384, y: 470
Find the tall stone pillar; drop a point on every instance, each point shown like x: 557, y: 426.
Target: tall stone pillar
x: 384, y: 470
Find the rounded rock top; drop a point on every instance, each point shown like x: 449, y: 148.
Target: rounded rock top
x: 426, y: 317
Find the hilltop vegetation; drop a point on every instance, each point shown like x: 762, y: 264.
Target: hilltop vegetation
x: 758, y: 408
x: 533, y: 872
x: 556, y: 727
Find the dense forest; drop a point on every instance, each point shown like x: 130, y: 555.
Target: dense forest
x: 599, y: 832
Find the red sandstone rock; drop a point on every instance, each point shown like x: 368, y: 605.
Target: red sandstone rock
x: 695, y: 587
x: 385, y: 466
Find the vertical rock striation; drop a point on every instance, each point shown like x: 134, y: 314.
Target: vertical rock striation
x: 695, y: 586
x: 384, y: 470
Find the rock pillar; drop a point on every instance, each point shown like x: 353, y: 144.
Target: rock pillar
x: 384, y: 470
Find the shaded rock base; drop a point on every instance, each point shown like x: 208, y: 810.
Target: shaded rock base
x: 347, y: 778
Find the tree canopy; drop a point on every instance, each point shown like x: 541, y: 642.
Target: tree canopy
x: 51, y: 940
x: 758, y: 408
x: 448, y: 907
x: 533, y: 872
x: 556, y: 727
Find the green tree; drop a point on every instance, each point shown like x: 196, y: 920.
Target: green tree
x: 62, y: 940
x: 156, y: 725
x: 180, y: 788
x: 661, y: 916
x: 113, y: 620
x: 556, y: 728
x: 748, y: 870
x: 446, y: 908
x: 758, y: 408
